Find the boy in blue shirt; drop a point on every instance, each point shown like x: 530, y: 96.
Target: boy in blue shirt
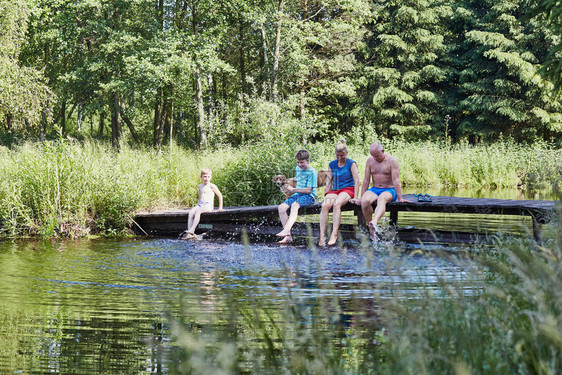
x: 304, y: 195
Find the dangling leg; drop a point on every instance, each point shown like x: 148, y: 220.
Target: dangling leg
x: 326, y: 206
x: 341, y: 200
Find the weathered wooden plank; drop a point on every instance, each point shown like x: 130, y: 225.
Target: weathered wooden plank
x: 266, y: 217
x: 439, y: 204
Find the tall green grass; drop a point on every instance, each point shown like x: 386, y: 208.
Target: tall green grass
x: 74, y: 189
x: 508, y: 322
x: 70, y: 189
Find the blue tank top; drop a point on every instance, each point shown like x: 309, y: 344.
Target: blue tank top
x: 341, y: 176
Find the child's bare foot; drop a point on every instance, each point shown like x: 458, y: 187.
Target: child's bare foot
x: 283, y: 233
x: 322, y: 243
x: 287, y: 239
x: 332, y: 240
x: 187, y: 236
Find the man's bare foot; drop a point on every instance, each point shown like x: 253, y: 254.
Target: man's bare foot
x: 322, y: 243
x: 333, y: 240
x: 287, y: 239
x: 373, y: 232
x: 283, y: 233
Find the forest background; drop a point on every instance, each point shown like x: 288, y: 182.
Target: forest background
x: 260, y: 78
x: 206, y: 72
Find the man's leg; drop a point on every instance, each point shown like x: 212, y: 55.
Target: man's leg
x: 367, y: 205
x: 382, y: 200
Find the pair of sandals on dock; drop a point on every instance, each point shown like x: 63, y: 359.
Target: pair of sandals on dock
x: 424, y: 197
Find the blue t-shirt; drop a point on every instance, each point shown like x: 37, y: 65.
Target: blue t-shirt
x: 342, y: 176
x: 306, y: 178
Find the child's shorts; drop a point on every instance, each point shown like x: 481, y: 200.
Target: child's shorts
x: 301, y: 199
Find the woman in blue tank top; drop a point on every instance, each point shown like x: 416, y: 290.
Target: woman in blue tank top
x: 343, y: 186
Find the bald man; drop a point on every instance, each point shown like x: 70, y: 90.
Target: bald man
x: 383, y: 170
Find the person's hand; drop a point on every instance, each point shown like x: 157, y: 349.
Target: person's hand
x: 290, y: 189
x: 220, y: 209
x: 402, y: 200
x: 356, y: 201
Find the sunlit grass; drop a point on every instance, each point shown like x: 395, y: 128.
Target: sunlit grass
x: 73, y: 189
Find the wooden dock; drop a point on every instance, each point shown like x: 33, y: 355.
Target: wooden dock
x: 264, y: 220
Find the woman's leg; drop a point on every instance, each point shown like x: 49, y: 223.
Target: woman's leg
x: 341, y: 200
x: 326, y: 207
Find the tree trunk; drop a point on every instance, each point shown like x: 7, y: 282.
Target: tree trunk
x: 131, y: 128
x: 101, y: 124
x: 63, y: 117
x: 302, y: 100
x: 276, y: 54
x: 157, y: 130
x: 116, y: 126
x: 171, y: 124
x: 242, y: 59
x: 79, y: 118
x: 211, y: 91
x: 200, y: 108
x: 8, y: 121
x: 43, y: 126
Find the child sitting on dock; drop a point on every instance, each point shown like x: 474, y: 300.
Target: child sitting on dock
x: 304, y: 195
x: 207, y: 192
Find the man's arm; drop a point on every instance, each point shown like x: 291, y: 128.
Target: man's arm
x: 395, y: 175
x: 366, y: 178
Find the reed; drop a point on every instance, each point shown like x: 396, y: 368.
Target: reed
x: 67, y: 188
x: 70, y: 189
x: 508, y: 322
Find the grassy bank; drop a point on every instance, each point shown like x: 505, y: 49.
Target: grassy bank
x: 509, y: 321
x: 73, y: 189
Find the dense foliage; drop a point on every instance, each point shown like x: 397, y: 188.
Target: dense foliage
x: 204, y: 72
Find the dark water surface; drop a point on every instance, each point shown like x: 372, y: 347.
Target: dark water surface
x: 103, y: 306
x: 100, y: 306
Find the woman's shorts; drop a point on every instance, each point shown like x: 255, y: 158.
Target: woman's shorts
x: 349, y: 190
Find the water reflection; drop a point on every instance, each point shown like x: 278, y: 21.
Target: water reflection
x: 102, y: 306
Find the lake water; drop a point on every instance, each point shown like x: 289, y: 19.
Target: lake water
x: 104, y: 306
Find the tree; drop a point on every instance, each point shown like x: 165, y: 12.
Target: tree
x: 549, y: 13
x: 405, y: 72
x: 500, y: 88
x: 24, y: 95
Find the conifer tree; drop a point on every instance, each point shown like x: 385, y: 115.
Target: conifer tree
x: 500, y: 89
x: 406, y: 70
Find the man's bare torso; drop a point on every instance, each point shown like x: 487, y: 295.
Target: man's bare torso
x: 381, y: 175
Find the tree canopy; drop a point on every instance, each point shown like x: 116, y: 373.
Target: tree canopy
x: 203, y: 72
